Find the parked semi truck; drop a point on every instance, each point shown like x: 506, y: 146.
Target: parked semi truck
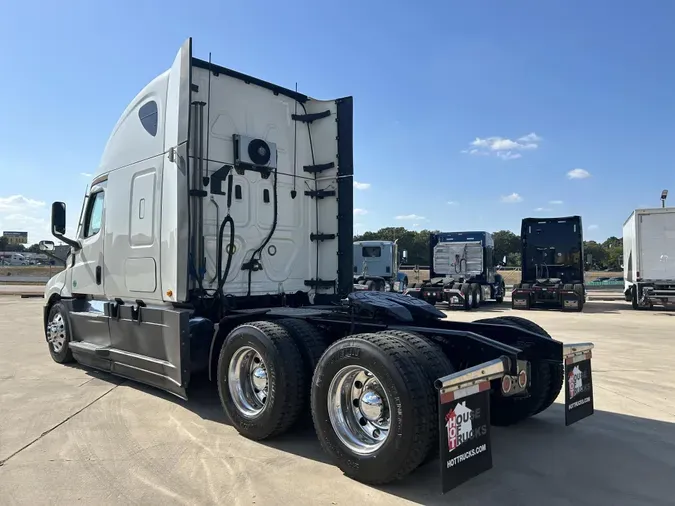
x: 649, y: 257
x: 462, y: 271
x: 552, y: 274
x: 201, y: 249
x: 376, y: 266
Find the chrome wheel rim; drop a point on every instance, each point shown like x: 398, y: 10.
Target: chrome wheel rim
x: 248, y: 382
x: 359, y: 409
x: 56, y: 332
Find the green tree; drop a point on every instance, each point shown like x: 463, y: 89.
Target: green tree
x: 598, y: 254
x: 34, y: 248
x: 507, y: 244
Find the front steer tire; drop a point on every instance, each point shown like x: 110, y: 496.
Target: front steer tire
x: 58, y: 324
x: 412, y: 407
x: 546, y: 380
x: 286, y: 379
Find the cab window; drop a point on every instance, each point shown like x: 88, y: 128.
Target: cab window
x: 371, y: 251
x: 94, y: 217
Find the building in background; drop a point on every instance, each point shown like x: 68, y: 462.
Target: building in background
x: 13, y: 237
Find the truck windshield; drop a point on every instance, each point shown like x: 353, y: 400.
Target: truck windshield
x: 553, y: 250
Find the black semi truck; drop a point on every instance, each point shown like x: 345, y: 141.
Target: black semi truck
x: 552, y: 252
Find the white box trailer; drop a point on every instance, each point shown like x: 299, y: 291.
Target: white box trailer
x: 649, y: 257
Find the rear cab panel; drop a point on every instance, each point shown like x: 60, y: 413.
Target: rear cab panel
x: 307, y: 186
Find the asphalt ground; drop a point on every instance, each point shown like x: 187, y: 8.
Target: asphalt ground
x: 72, y: 435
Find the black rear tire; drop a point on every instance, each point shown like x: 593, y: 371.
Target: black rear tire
x: 546, y: 381
x: 477, y: 295
x: 412, y: 414
x: 435, y: 365
x: 311, y: 343
x: 285, y: 376
x: 370, y: 285
x: 465, y: 289
x: 500, y: 299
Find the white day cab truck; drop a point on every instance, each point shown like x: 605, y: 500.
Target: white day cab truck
x: 376, y: 266
x: 649, y: 257
x: 216, y: 237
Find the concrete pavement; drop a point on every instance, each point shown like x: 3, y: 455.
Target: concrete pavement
x: 70, y: 435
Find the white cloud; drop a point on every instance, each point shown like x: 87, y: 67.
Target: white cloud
x: 361, y: 186
x: 506, y: 149
x: 512, y: 199
x: 532, y: 137
x: 410, y: 217
x: 509, y: 155
x: 452, y: 203
x: 578, y: 174
x: 360, y: 212
x: 542, y: 209
x: 18, y: 203
x: 415, y: 224
x: 555, y: 202
x: 86, y: 174
x: 593, y: 227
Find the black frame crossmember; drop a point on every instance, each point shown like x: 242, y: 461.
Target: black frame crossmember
x: 314, y: 169
x: 321, y: 237
x: 308, y: 118
x: 319, y: 194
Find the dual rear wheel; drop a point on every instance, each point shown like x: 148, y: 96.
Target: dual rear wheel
x: 371, y: 396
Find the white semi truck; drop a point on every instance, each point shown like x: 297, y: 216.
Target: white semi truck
x: 649, y: 257
x: 376, y: 265
x: 216, y: 236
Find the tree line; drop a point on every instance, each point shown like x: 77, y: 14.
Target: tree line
x: 605, y: 255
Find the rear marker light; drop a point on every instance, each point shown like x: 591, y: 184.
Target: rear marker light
x: 506, y: 384
x: 522, y: 379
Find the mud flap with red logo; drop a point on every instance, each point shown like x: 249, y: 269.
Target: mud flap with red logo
x: 464, y: 425
x: 578, y: 383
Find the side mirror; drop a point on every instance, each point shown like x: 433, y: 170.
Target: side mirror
x: 59, y: 218
x: 404, y: 255
x: 46, y: 245
x: 504, y: 260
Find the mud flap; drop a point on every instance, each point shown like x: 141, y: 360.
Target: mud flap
x: 570, y: 300
x: 464, y: 428
x: 520, y: 300
x: 464, y: 422
x: 578, y: 383
x: 464, y: 411
x: 454, y: 298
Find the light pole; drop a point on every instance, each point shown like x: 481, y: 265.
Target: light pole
x: 664, y: 196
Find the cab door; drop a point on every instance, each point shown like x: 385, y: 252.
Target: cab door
x: 88, y: 270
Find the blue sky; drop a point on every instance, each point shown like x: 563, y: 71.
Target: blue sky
x: 487, y: 104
